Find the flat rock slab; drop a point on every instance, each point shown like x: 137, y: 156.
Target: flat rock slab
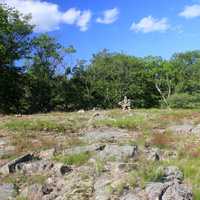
x: 118, y: 152
x: 11, y: 166
x: 101, y: 191
x: 83, y: 149
x: 5, y: 148
x: 185, y: 129
x: 7, y: 191
x: 181, y: 129
x: 105, y: 135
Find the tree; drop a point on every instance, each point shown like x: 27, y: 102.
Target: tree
x: 113, y: 76
x: 164, y: 75
x: 188, y: 71
x: 44, y: 60
x: 70, y: 51
x: 15, y: 39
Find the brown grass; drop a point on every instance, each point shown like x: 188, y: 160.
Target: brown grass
x: 162, y: 140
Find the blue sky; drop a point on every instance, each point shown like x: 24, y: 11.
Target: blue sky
x: 136, y: 27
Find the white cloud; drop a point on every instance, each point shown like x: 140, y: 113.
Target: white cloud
x: 150, y: 24
x: 84, y: 19
x: 47, y: 16
x: 109, y: 16
x: 191, y: 11
x: 71, y: 16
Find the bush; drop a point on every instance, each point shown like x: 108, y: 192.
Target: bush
x: 184, y: 100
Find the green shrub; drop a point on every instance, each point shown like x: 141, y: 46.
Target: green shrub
x: 184, y: 100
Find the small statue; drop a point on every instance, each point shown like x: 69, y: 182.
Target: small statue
x: 125, y: 104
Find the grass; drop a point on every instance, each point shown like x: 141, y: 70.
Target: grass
x: 129, y: 122
x: 20, y: 179
x: 51, y: 122
x: 33, y: 125
x: 21, y: 198
x: 74, y: 159
x: 25, y: 142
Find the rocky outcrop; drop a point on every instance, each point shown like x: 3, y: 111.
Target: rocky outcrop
x: 110, y: 172
x: 12, y: 166
x: 171, y: 188
x: 105, y: 135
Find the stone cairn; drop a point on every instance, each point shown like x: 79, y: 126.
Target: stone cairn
x: 125, y: 104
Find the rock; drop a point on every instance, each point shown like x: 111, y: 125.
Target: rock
x: 18, y: 115
x: 81, y: 111
x: 196, y: 130
x: 170, y: 155
x: 53, y: 188
x: 32, y: 192
x: 125, y: 104
x: 47, y: 154
x: 7, y: 191
x: 11, y: 167
x: 130, y: 196
x: 105, y: 135
x: 172, y: 173
x: 47, y: 189
x: 171, y: 189
x: 182, y: 129
x: 83, y: 149
x: 40, y: 166
x: 118, y: 152
x: 177, y: 192
x: 3, y: 162
x: 5, y: 148
x: 101, y: 191
x: 155, y: 190
x: 65, y: 169
x: 153, y: 154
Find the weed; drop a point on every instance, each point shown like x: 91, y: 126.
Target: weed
x: 99, y: 166
x: 74, y: 159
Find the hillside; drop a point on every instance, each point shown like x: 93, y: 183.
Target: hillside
x: 135, y: 155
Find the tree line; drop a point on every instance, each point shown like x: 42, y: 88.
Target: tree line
x: 38, y: 74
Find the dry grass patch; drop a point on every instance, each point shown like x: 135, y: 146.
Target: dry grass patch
x: 24, y: 142
x: 163, y: 140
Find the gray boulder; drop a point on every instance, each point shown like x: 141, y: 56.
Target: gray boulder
x: 172, y: 173
x: 7, y: 191
x: 101, y: 191
x: 118, y: 152
x: 178, y: 192
x: 40, y: 166
x: 155, y: 190
x: 171, y: 188
x: 196, y: 130
x: 153, y: 154
x: 12, y: 166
